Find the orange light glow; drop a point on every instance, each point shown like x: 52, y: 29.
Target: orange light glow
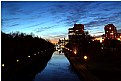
x: 75, y: 52
x: 100, y: 39
x: 118, y: 39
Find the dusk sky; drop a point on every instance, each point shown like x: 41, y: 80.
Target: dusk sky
x: 51, y: 20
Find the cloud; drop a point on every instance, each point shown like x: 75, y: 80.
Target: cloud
x: 10, y: 19
x: 14, y: 25
x: 12, y: 8
x: 41, y: 29
x: 71, y: 12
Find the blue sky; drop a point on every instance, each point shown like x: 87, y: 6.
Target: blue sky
x: 51, y: 20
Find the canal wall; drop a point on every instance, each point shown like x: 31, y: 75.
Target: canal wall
x: 27, y: 72
x: 80, y: 69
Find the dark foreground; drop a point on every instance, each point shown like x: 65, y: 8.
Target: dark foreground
x: 28, y: 71
x: 107, y: 69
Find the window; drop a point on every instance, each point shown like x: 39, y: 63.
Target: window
x: 72, y: 33
x: 111, y: 33
x: 71, y: 30
x: 110, y: 28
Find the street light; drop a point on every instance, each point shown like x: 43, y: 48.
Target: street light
x: 3, y: 65
x: 85, y: 57
x: 17, y: 60
x: 75, y: 52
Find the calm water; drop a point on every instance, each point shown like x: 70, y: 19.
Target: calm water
x: 57, y: 69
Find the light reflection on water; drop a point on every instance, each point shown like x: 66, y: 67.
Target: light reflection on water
x: 57, y: 69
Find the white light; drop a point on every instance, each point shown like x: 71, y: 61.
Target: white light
x: 29, y: 56
x: 3, y: 65
x: 17, y: 60
x: 119, y: 39
x: 38, y: 52
x: 110, y: 28
x: 35, y: 54
x: 101, y: 41
x: 85, y: 57
x: 101, y: 47
x: 111, y: 33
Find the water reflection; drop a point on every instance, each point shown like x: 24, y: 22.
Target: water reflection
x: 57, y: 69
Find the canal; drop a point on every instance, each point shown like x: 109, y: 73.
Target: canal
x: 57, y: 69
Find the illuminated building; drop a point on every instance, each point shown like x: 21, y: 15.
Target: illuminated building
x: 111, y: 32
x: 62, y: 42
x: 76, y: 34
x: 118, y: 36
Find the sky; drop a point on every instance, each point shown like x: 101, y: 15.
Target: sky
x: 51, y: 20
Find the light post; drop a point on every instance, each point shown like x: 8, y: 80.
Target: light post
x: 75, y: 52
x: 85, y: 57
x: 85, y: 60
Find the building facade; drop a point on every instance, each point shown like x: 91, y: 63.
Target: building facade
x: 76, y: 34
x: 111, y: 32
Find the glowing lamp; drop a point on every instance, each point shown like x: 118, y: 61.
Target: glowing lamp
x: 17, y: 60
x: 3, y: 65
x: 29, y: 56
x: 75, y: 52
x: 85, y: 57
x: 35, y: 54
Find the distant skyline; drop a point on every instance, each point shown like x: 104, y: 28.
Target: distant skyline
x: 51, y: 20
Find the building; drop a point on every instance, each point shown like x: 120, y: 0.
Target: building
x: 62, y: 42
x: 118, y: 36
x: 111, y: 32
x: 76, y: 34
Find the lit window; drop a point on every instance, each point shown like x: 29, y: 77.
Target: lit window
x: 71, y: 33
x: 110, y: 28
x: 106, y: 31
x: 118, y: 38
x: 111, y: 33
x: 70, y: 30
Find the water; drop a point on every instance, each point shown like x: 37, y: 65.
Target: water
x: 57, y: 69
